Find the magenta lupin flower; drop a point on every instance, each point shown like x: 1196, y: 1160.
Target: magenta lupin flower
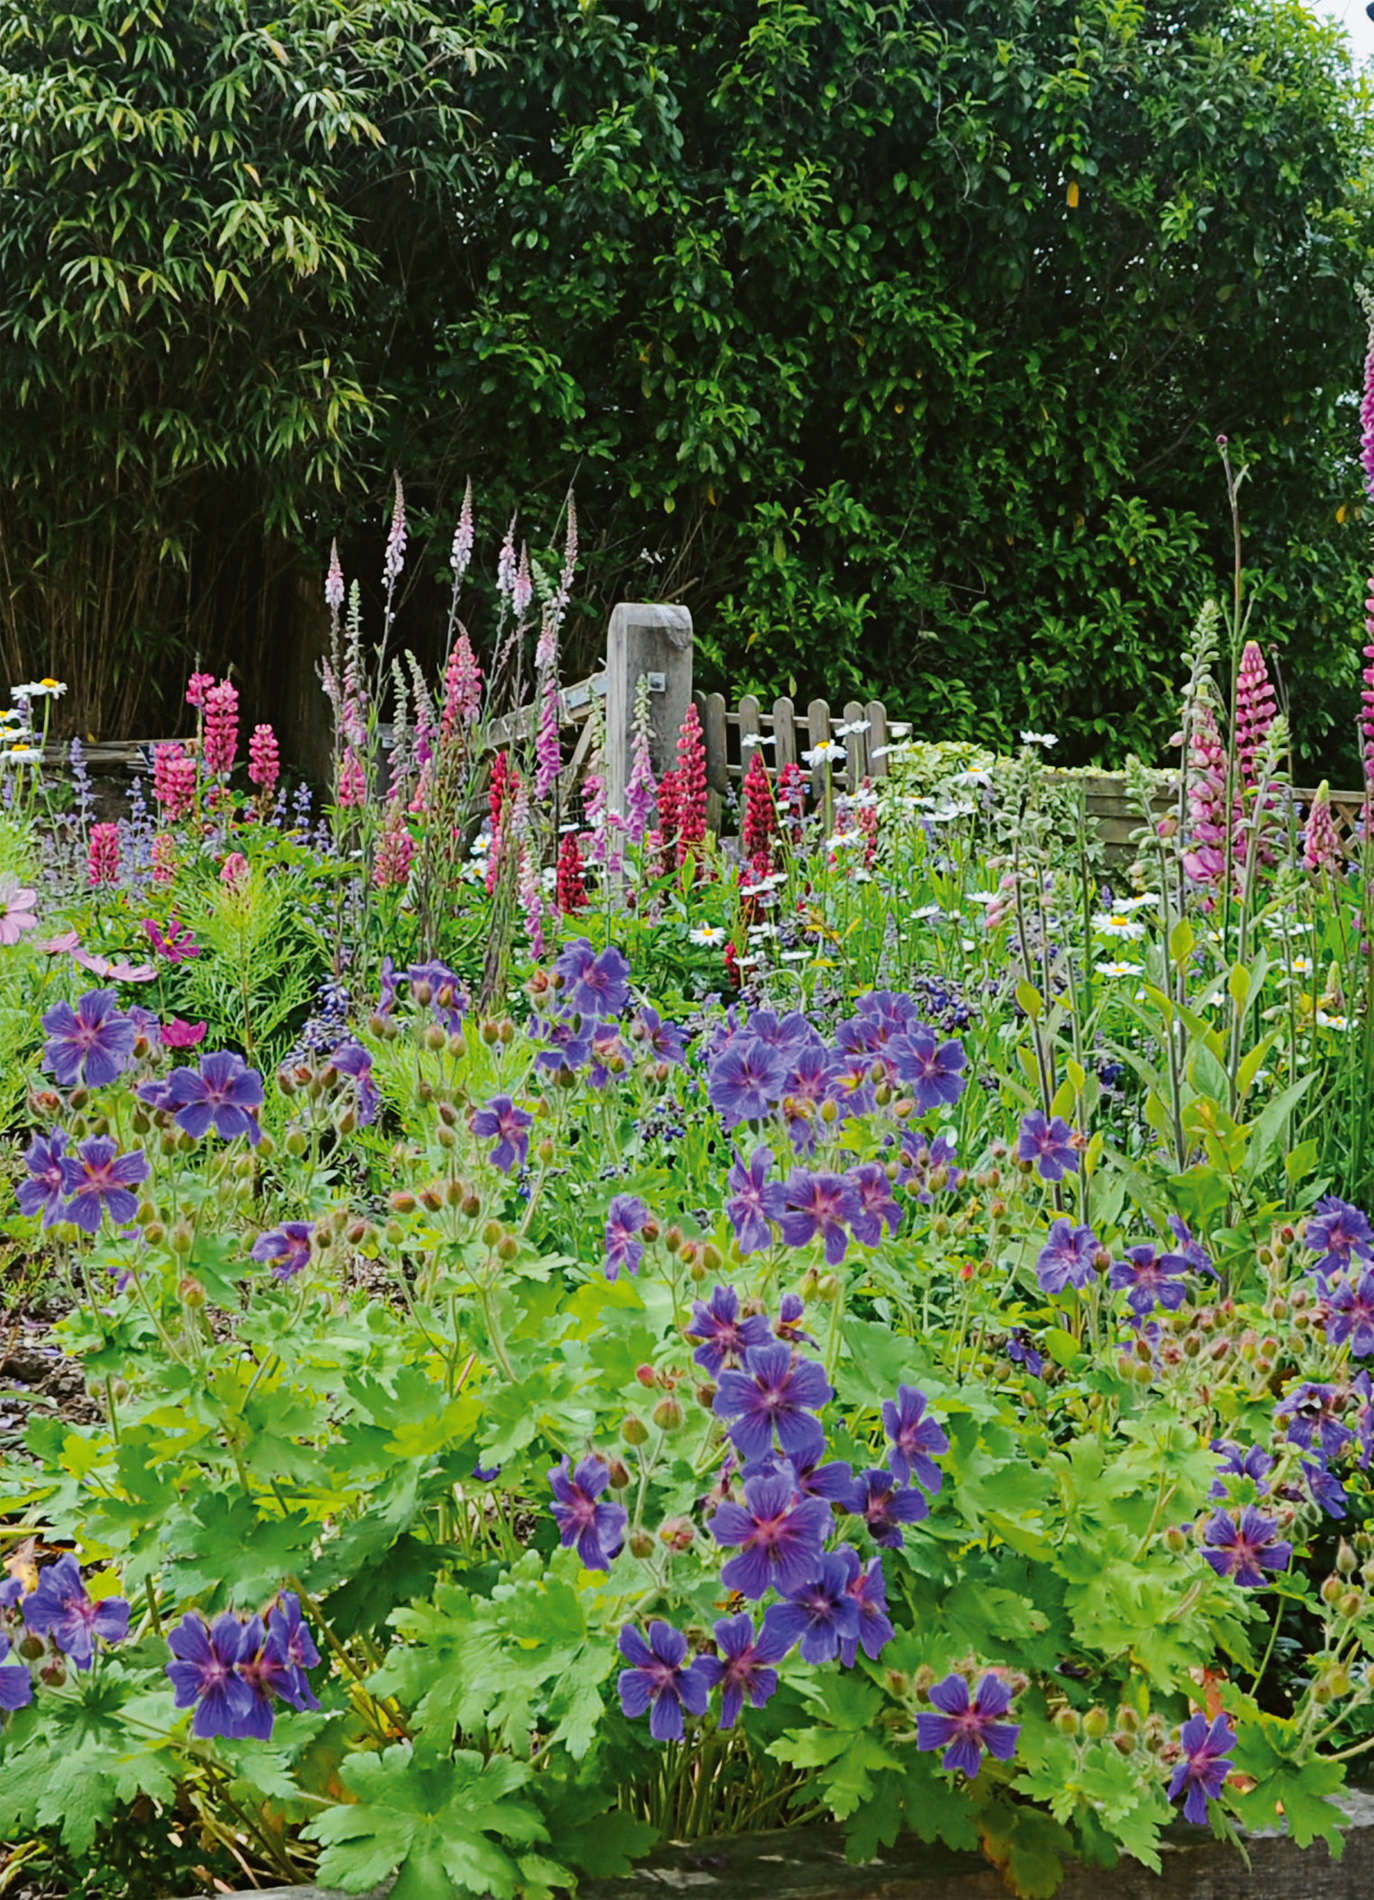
x: 660, y: 1680
x: 264, y: 760
x: 62, y: 1609
x: 1201, y: 1774
x: 197, y: 687
x: 1205, y: 858
x: 778, y: 1533
x: 1367, y: 692
x: 394, y: 558
x: 775, y: 1392
x: 967, y: 1726
x: 463, y: 534
x: 174, y: 779
x: 221, y: 727
x: 102, y: 855
x: 1255, y: 707
x: 1321, y: 842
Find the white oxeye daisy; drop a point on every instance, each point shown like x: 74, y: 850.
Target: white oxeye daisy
x: 1117, y: 924
x: 748, y: 739
x: 39, y: 689
x: 824, y: 752
x: 1129, y: 905
x: 1302, y: 966
x: 854, y: 726
x: 1117, y: 969
x: 1045, y: 739
x: 984, y: 897
x: 23, y: 755
x: 926, y: 912
x: 1332, y: 1022
x: 843, y: 840
x: 709, y: 936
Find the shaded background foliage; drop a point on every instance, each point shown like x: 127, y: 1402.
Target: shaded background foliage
x: 891, y: 338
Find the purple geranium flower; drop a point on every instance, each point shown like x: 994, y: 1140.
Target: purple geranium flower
x: 89, y: 1044
x: 1022, y: 1351
x: 1068, y: 1259
x: 99, y: 1179
x: 1314, y: 1411
x: 354, y: 1061
x: 434, y: 983
x: 804, y: 1471
x: 869, y: 1591
x: 821, y: 1614
x: 1325, y: 1488
x: 502, y: 1121
x: 876, y: 1204
x: 222, y: 1094
x: 1149, y: 1280
x: 967, y: 1726
x: 1352, y: 1316
x: 205, y: 1675
x: 1238, y: 1462
x: 1190, y: 1251
x: 43, y: 1191
x: 915, y: 1440
x: 656, y: 1680
x: 570, y: 1044
x: 1049, y: 1144
x: 294, y: 1641
x: 818, y: 1206
x: 755, y: 1201
x: 1205, y: 1764
x: 287, y: 1246
x: 626, y: 1217
x: 885, y: 1506
x: 61, y: 1608
x: 788, y: 1324
x: 743, y: 1667
x: 726, y: 1336
x: 1335, y: 1230
x: 1246, y: 1550
x: 929, y: 1068
x: 778, y: 1534
x: 776, y: 1391
x: 664, y: 1040
x: 263, y: 1666
x: 746, y: 1080
x: 16, y: 1684
x: 598, y: 1530
x: 594, y: 985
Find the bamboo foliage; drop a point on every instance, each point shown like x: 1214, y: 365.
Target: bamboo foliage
x: 198, y: 201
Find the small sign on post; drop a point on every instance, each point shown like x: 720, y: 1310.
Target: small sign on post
x: 653, y: 641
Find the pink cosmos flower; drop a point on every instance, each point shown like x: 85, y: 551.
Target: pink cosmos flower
x: 234, y: 868
x: 181, y: 1035
x: 16, y: 911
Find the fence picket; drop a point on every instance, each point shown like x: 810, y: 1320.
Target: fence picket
x: 785, y: 732
x: 817, y: 729
x: 750, y: 727
x: 855, y: 745
x: 876, y: 715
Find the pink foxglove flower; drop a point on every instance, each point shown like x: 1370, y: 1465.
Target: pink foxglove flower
x: 102, y: 855
x: 462, y: 687
x: 1255, y: 708
x: 531, y: 899
x: 522, y: 593
x: 1321, y: 843
x: 394, y: 559
x: 264, y: 760
x: 505, y: 562
x: 547, y: 753
x: 334, y: 581
x: 462, y: 537
x: 352, y: 781
x: 395, y: 851
x: 164, y: 860
x: 1367, y: 693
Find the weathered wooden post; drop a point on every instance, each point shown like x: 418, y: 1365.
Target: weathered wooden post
x: 655, y: 642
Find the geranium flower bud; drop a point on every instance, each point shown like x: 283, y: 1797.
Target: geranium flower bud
x: 403, y: 1202
x: 898, y: 1684
x: 183, y: 1237
x: 154, y: 1233
x: 924, y: 1680
x: 668, y: 1413
x: 1123, y: 1744
x: 646, y: 1375
x: 1330, y: 1590
x: 456, y: 1045
x: 1350, y: 1603
x: 394, y: 1232
x: 828, y: 1288
x: 445, y: 1137
x: 471, y: 1204
x: 356, y: 1233
x: 545, y: 1150
x: 640, y: 1543
x: 492, y: 1232
x: 31, y: 1647
x: 447, y: 1114
x: 1066, y: 1721
x: 1175, y: 1540
x: 688, y: 1252
x: 619, y: 1474
x: 649, y: 1231
x: 706, y: 1395
x: 424, y: 1091
x: 507, y: 1248
x: 192, y: 1292
x: 1095, y: 1724
x: 435, y: 1037
x: 712, y: 1258
x: 54, y: 1673
x: 677, y: 1533
x: 633, y: 1430
x: 431, y: 1198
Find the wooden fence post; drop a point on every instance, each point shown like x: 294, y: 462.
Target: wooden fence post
x: 653, y: 640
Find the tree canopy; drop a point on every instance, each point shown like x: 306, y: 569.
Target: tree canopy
x: 894, y: 339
